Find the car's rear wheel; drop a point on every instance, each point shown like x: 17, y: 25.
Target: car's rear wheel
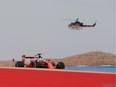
x: 36, y: 65
x: 19, y: 64
x: 60, y: 65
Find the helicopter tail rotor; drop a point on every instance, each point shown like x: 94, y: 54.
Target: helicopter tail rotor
x: 94, y: 23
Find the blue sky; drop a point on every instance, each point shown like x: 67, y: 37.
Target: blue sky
x: 31, y: 26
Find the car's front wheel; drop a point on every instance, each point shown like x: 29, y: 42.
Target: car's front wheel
x: 60, y: 65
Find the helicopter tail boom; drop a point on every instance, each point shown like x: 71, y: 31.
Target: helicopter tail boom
x: 89, y: 25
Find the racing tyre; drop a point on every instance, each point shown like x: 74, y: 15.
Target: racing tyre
x: 19, y: 64
x: 36, y: 65
x: 60, y: 65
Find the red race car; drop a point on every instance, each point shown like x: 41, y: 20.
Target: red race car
x: 38, y: 62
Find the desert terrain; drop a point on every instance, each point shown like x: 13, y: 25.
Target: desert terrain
x: 90, y: 58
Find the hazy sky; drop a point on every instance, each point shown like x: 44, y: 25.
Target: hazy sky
x: 31, y: 26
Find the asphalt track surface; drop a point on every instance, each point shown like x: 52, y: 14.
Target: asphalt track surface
x: 27, y: 77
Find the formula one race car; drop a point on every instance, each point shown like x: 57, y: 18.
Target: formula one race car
x: 38, y: 62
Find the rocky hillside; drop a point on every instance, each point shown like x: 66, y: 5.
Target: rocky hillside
x: 90, y: 58
x: 6, y: 63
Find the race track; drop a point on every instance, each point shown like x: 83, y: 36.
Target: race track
x: 27, y: 77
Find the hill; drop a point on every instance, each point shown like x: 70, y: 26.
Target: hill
x: 90, y: 59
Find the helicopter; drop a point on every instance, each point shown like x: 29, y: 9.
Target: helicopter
x: 79, y: 25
